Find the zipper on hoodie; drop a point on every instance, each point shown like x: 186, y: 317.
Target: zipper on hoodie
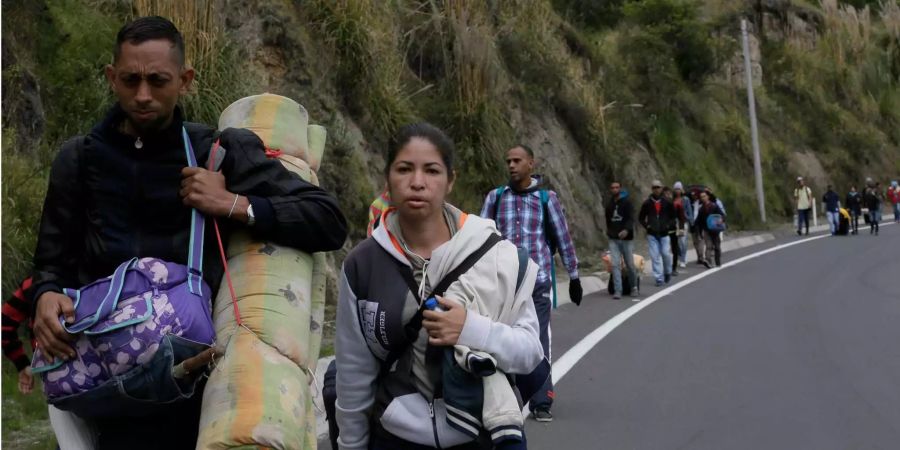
x: 437, y: 442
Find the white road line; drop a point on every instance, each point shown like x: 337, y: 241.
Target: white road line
x: 567, y: 361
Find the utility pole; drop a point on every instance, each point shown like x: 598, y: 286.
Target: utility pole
x: 754, y: 133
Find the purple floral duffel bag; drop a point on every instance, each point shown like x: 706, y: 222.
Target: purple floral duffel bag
x: 131, y: 329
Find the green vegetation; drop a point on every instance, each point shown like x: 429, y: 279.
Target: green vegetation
x: 25, y: 423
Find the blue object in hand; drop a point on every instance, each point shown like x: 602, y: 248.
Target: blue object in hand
x: 432, y: 304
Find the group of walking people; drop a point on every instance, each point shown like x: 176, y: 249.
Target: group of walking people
x: 443, y: 317
x: 669, y: 216
x: 843, y: 217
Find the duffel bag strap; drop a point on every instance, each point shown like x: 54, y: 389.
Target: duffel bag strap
x: 106, y: 306
x: 195, y: 253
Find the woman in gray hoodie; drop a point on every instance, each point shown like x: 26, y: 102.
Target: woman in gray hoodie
x: 390, y: 386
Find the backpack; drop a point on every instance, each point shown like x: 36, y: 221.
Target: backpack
x: 132, y: 329
x: 715, y: 223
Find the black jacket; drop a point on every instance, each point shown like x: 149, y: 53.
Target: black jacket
x: 854, y: 202
x: 108, y: 201
x: 620, y: 216
x: 657, y: 224
x: 871, y: 199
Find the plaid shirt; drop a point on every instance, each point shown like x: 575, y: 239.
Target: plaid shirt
x: 520, y: 221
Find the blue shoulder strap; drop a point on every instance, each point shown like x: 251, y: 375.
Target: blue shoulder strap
x: 195, y: 252
x: 498, y: 194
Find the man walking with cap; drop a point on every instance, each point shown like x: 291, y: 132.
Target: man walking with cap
x: 657, y: 214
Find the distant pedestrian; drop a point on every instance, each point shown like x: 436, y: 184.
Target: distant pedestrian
x: 17, y: 312
x: 894, y: 197
x: 673, y: 231
x: 657, y: 215
x: 872, y: 200
x: 684, y: 212
x: 854, y: 207
x: 378, y: 206
x: 803, y: 199
x: 713, y: 237
x: 832, y: 209
x: 696, y: 231
x: 620, y: 231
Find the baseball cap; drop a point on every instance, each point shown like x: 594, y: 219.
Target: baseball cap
x: 656, y: 183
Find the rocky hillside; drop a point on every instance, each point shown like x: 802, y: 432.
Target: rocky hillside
x: 624, y: 89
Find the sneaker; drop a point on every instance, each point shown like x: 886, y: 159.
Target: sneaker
x: 682, y: 265
x: 799, y: 233
x: 667, y: 278
x: 706, y: 264
x: 542, y: 415
x: 617, y: 296
x: 635, y: 292
x: 674, y: 273
x: 659, y: 283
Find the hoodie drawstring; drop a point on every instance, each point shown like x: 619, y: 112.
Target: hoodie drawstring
x: 422, y: 283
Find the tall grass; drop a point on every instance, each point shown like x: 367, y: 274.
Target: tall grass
x: 371, y: 71
x: 220, y: 77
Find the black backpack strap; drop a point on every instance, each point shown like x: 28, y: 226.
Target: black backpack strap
x: 467, y: 264
x: 523, y: 266
x: 549, y: 233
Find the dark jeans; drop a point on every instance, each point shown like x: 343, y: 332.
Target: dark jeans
x: 177, y: 428
x: 542, y: 306
x: 329, y: 397
x: 803, y: 218
x: 873, y: 220
x: 713, y: 247
x: 676, y: 250
x: 854, y: 221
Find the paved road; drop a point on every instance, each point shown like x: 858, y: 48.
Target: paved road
x: 795, y: 349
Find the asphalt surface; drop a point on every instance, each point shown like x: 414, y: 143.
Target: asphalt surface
x: 795, y: 349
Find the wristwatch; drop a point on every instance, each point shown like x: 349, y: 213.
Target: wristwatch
x: 251, y: 219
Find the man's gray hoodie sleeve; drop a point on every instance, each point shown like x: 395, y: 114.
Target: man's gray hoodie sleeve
x: 357, y: 372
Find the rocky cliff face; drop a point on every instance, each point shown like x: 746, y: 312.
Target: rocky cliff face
x: 656, y: 93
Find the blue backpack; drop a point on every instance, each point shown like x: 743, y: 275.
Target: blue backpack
x: 715, y: 222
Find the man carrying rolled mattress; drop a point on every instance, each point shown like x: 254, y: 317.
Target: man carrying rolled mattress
x: 124, y: 191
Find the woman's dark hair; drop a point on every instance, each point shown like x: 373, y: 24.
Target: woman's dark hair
x: 150, y: 28
x: 426, y: 131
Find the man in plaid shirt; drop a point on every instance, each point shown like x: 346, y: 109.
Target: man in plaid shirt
x: 521, y: 210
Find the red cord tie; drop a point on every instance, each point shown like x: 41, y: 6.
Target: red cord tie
x: 273, y: 152
x: 237, y: 311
